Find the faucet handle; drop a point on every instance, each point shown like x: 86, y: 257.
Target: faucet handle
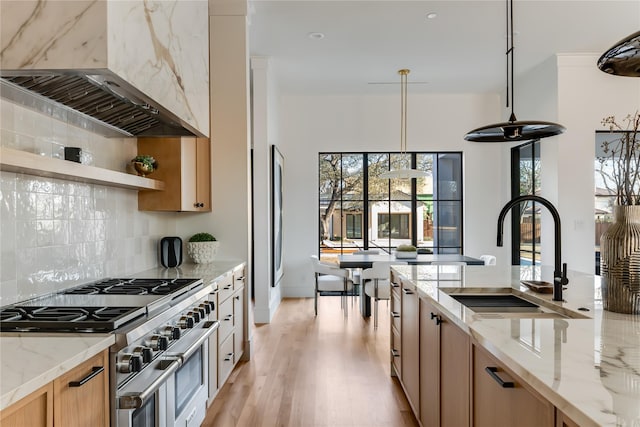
x: 564, y: 274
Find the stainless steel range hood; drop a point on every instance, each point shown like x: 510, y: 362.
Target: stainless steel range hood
x: 96, y: 100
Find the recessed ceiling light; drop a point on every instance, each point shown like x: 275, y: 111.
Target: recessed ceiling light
x: 432, y: 15
x: 315, y: 35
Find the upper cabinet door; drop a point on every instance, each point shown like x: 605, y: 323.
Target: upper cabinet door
x: 184, y: 165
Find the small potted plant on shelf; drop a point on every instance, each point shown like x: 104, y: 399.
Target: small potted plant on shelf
x: 144, y: 164
x: 202, y: 248
x: 406, y: 251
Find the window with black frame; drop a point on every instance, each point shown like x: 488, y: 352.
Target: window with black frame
x: 359, y: 210
x: 525, y: 222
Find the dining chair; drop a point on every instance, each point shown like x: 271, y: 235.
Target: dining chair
x: 333, y: 279
x: 488, y: 259
x: 376, y: 284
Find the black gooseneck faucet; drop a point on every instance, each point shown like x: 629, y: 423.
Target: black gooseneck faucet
x: 559, y: 269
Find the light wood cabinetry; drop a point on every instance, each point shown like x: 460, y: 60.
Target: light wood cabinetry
x: 34, y: 410
x: 500, y: 398
x: 231, y: 332
x: 396, y: 326
x: 444, y: 370
x: 184, y: 165
x: 562, y: 420
x: 410, y: 335
x: 78, y: 398
x: 81, y: 396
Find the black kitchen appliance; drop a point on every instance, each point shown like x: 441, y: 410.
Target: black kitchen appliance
x: 170, y: 252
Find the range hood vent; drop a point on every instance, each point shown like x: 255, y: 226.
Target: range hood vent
x: 98, y: 101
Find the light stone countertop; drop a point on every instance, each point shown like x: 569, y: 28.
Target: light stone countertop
x: 28, y: 361
x: 589, y: 368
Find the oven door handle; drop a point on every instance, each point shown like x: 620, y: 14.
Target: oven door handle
x: 208, y: 330
x: 137, y: 399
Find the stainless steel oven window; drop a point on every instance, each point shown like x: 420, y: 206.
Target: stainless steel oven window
x: 145, y: 416
x: 189, y: 378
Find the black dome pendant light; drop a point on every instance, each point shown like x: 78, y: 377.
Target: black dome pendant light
x: 623, y: 59
x: 513, y: 130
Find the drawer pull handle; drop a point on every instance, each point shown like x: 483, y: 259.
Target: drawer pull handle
x: 493, y: 371
x: 240, y: 278
x: 228, y: 317
x: 229, y: 357
x: 238, y: 297
x: 395, y: 285
x: 227, y: 287
x: 407, y: 291
x: 95, y: 371
x: 395, y: 353
x: 437, y: 318
x: 395, y: 314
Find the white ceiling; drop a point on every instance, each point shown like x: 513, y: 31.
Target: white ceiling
x: 460, y: 51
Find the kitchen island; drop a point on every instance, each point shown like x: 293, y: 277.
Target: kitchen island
x: 587, y: 365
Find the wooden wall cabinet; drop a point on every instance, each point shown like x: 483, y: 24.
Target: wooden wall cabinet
x: 500, y: 398
x: 78, y: 398
x: 184, y: 165
x: 444, y: 370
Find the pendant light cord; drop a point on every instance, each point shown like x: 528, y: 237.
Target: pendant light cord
x: 403, y: 110
x: 510, y: 58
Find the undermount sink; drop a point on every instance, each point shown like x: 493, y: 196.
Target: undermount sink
x: 503, y: 303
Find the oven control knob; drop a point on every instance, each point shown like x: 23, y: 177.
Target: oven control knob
x: 158, y: 342
x: 202, y: 311
x: 171, y: 332
x: 195, y: 314
x: 185, y: 322
x: 145, y: 352
x: 212, y: 305
x: 128, y: 363
x: 206, y: 307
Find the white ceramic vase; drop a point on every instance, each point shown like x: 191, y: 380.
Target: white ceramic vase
x: 202, y: 252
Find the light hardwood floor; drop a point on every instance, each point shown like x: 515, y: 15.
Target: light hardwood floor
x: 306, y: 371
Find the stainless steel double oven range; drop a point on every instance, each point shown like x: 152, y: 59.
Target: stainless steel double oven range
x: 159, y: 362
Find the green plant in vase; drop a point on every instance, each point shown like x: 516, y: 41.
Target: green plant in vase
x: 202, y: 248
x: 144, y: 164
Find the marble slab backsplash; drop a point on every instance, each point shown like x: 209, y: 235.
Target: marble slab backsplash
x: 57, y: 233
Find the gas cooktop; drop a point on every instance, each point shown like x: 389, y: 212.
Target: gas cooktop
x: 104, y: 305
x: 132, y: 287
x: 77, y: 319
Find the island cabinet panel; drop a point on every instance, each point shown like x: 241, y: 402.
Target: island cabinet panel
x: 34, y: 410
x: 500, y: 398
x: 410, y: 353
x: 444, y: 370
x: 396, y: 326
x: 81, y: 396
x: 562, y: 420
x: 184, y: 165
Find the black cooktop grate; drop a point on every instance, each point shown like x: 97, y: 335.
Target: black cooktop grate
x: 133, y: 287
x: 65, y: 319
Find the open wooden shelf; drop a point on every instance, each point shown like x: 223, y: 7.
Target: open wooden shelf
x: 21, y: 161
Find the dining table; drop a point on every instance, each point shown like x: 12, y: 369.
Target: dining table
x: 362, y: 261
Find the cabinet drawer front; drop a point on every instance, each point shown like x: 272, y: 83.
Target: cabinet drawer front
x: 225, y: 288
x: 225, y: 360
x: 239, y: 278
x: 396, y: 356
x: 82, y: 394
x: 226, y: 318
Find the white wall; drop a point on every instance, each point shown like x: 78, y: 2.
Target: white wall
x: 585, y: 96
x: 313, y: 124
